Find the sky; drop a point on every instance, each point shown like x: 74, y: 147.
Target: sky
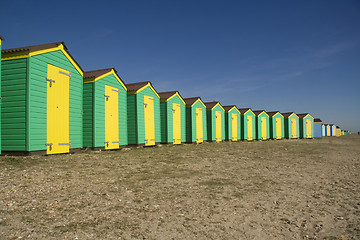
x: 289, y: 56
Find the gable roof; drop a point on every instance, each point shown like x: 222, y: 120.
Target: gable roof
x: 258, y: 112
x: 288, y: 114
x: 318, y: 120
x: 271, y: 114
x: 17, y: 53
x: 230, y: 107
x: 244, y: 110
x: 1, y: 38
x: 191, y: 101
x: 166, y: 96
x: 134, y: 88
x: 302, y: 115
x: 211, y: 105
x: 92, y: 76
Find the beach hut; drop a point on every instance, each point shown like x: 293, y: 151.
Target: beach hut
x: 42, y: 100
x: 291, y: 125
x: 232, y: 123
x: 0, y: 91
x: 276, y: 120
x: 143, y: 114
x: 196, y: 127
x: 338, y: 131
x: 328, y: 130
x: 105, y: 110
x: 173, y: 120
x: 262, y: 125
x: 332, y: 131
x: 247, y: 124
x: 318, y: 128
x: 215, y: 118
x: 306, y: 125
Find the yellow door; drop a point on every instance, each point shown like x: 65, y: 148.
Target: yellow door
x: 149, y: 121
x: 278, y: 128
x: 111, y: 117
x: 199, y: 126
x: 263, y: 128
x: 249, y: 128
x: 234, y: 126
x: 293, y: 128
x: 176, y: 108
x: 218, y: 126
x: 308, y: 128
x: 57, y: 117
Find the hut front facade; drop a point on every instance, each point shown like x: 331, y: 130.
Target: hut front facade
x: 215, y: 115
x: 105, y: 110
x: 328, y: 130
x: 276, y: 120
x: 291, y: 121
x: 42, y: 94
x: 196, y: 127
x: 262, y: 125
x: 232, y: 123
x: 247, y: 124
x: 173, y: 120
x: 332, y: 131
x: 338, y: 131
x: 318, y: 128
x: 143, y: 114
x: 306, y: 125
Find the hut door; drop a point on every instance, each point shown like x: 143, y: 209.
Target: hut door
x: 263, y: 127
x: 218, y: 125
x: 111, y: 117
x: 278, y: 128
x: 57, y: 127
x: 199, y: 126
x: 249, y: 128
x: 234, y: 125
x: 308, y: 128
x: 176, y: 123
x: 149, y: 121
x: 293, y: 128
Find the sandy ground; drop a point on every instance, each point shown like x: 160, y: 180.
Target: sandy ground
x: 288, y: 189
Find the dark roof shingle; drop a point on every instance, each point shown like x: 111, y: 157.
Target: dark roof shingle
x: 97, y: 73
x: 258, y: 112
x: 272, y: 113
x: 166, y: 95
x: 136, y: 86
x: 210, y: 104
x: 190, y: 101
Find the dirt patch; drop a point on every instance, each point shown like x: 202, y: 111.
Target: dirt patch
x: 288, y: 189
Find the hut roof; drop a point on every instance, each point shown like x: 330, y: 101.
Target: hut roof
x: 288, y: 114
x: 136, y: 86
x: 244, y: 110
x: 302, y: 115
x: 166, y: 95
x: 35, y: 48
x: 273, y: 113
x: 191, y: 101
x: 1, y: 38
x: 97, y: 73
x: 229, y: 107
x: 258, y: 112
x: 317, y: 120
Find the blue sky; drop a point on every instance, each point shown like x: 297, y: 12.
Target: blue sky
x: 301, y: 56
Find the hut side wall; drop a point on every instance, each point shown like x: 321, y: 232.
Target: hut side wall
x: 14, y: 95
x: 37, y: 100
x: 317, y: 129
x: 88, y: 119
x: 132, y: 119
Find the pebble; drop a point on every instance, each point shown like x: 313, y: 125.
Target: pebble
x: 291, y: 229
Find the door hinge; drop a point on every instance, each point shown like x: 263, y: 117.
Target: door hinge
x: 65, y: 144
x: 50, y: 145
x: 67, y: 74
x: 115, y: 90
x: 116, y: 142
x: 51, y: 81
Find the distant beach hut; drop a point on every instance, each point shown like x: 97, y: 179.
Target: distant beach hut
x: 105, y: 110
x: 232, y: 123
x: 306, y: 125
x: 173, y: 120
x: 42, y: 100
x: 196, y: 130
x: 262, y: 125
x: 143, y: 114
x: 291, y: 125
x: 332, y: 131
x: 338, y: 131
x: 247, y: 124
x: 215, y: 116
x: 318, y: 128
x: 323, y: 130
x: 277, y: 129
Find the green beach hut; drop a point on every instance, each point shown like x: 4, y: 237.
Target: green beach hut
x: 232, y: 123
x: 276, y: 125
x: 291, y: 121
x: 247, y: 124
x: 105, y: 110
x: 173, y: 119
x: 306, y: 125
x: 196, y: 127
x: 0, y: 90
x: 262, y: 125
x: 42, y: 94
x: 215, y: 116
x: 143, y: 114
